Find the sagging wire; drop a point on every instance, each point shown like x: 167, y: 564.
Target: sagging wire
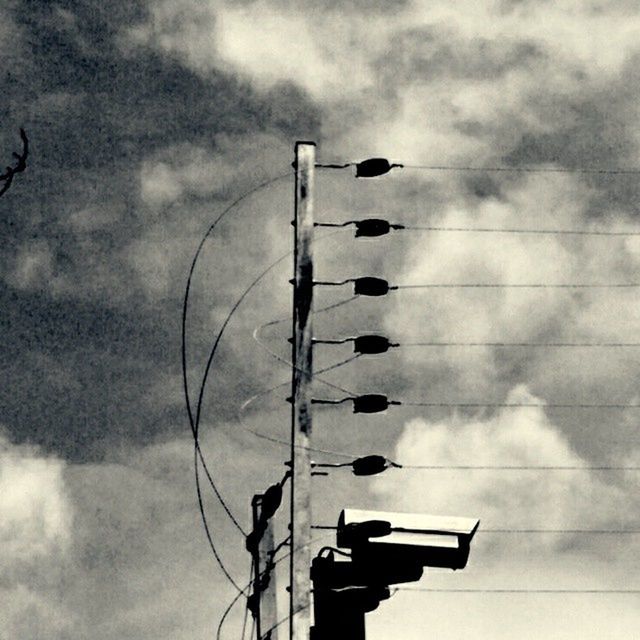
x: 194, y: 420
x: 227, y: 611
x: 185, y: 304
x: 208, y: 368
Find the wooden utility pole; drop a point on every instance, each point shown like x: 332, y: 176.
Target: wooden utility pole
x: 264, y: 574
x: 300, y: 583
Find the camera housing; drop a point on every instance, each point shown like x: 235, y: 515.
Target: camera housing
x: 424, y: 540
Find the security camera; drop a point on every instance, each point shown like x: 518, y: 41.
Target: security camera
x: 407, y: 538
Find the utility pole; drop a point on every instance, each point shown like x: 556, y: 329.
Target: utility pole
x: 300, y: 583
x: 264, y: 575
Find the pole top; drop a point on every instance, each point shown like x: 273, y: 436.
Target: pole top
x: 305, y: 142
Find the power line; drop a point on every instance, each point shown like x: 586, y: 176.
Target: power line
x: 496, y: 405
x: 512, y: 530
x: 507, y: 169
x: 246, y: 609
x: 477, y: 285
x: 247, y: 403
x: 374, y: 227
x: 334, y: 305
x: 227, y: 611
x: 264, y: 392
x: 207, y: 530
x: 502, y: 285
x: 568, y: 232
x: 533, y: 345
x: 388, y: 344
x: 196, y: 422
x: 210, y: 362
x: 193, y: 421
x: 185, y: 304
x: 442, y: 467
x: 523, y: 591
x: 493, y: 169
x: 381, y: 403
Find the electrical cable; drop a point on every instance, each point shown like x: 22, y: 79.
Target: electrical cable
x: 539, y: 405
x: 436, y: 467
x: 248, y: 585
x: 207, y: 531
x: 192, y: 422
x: 334, y: 305
x: 528, y: 591
x: 279, y: 441
x: 487, y: 285
x: 328, y: 527
x: 506, y: 169
x: 550, y: 345
x: 478, y: 405
x: 568, y: 232
x: 246, y: 614
x: 501, y: 285
x: 227, y: 611
x: 185, y: 304
x: 384, y: 226
x: 196, y: 422
x: 206, y: 374
x: 283, y: 620
x: 284, y: 361
x: 492, y: 169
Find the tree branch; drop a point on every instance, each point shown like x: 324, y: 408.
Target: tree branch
x: 7, y: 177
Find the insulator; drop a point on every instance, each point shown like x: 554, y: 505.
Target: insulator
x: 371, y: 344
x: 370, y: 403
x: 253, y: 539
x: 372, y: 168
x: 372, y: 227
x: 369, y: 465
x: 271, y: 501
x: 369, y: 286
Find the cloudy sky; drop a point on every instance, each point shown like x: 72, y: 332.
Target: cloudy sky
x: 146, y: 119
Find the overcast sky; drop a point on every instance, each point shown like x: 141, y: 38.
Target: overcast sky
x: 147, y: 118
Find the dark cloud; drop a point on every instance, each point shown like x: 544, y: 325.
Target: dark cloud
x: 71, y: 290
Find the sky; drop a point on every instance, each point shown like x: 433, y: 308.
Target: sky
x: 146, y: 119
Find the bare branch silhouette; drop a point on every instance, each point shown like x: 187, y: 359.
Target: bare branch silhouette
x: 20, y: 166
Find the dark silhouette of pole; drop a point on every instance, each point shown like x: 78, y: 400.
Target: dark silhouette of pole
x: 264, y: 575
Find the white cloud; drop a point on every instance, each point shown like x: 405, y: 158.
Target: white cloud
x: 35, y: 513
x: 36, y: 537
x: 521, y: 436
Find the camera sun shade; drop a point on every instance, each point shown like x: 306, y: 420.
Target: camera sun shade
x: 429, y: 541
